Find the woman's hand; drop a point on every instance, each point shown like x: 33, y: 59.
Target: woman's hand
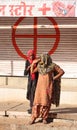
x: 36, y: 61
x: 33, y: 65
x: 28, y: 67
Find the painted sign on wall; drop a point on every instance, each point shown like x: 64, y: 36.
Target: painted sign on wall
x: 31, y: 8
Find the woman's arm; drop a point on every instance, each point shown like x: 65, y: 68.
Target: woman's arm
x: 36, y: 61
x: 33, y: 66
x: 33, y: 69
x: 59, y: 71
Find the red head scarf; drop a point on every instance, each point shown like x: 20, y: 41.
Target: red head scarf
x: 31, y: 53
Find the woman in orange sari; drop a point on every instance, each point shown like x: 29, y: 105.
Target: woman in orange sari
x: 43, y: 94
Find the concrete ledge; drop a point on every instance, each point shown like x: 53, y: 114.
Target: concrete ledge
x: 18, y: 114
x: 13, y: 82
x: 7, y: 94
x: 2, y: 81
x: 68, y: 97
x: 14, y: 89
x: 21, y: 82
x: 17, y: 82
x: 65, y: 121
x: 69, y: 84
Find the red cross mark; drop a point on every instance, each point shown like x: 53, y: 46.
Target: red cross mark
x: 44, y: 9
x: 35, y: 36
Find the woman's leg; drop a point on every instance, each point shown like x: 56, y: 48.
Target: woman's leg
x: 45, y: 113
x: 35, y: 113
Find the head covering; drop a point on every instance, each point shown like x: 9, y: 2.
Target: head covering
x: 29, y: 54
x: 45, y: 59
x: 45, y: 65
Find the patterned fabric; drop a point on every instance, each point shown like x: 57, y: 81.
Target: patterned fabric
x: 43, y: 111
x: 45, y: 65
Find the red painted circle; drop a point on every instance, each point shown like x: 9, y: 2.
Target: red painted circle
x: 51, y: 51
x: 57, y: 36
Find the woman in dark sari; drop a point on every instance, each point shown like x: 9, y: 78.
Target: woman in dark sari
x: 32, y: 79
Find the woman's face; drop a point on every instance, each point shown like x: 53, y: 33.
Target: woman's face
x: 45, y: 59
x: 31, y: 54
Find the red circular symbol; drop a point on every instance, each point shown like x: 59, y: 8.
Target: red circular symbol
x: 35, y: 36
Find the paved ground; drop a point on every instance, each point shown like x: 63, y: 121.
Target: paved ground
x: 14, y: 116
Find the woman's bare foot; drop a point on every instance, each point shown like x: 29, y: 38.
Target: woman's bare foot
x: 31, y: 122
x: 44, y: 121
